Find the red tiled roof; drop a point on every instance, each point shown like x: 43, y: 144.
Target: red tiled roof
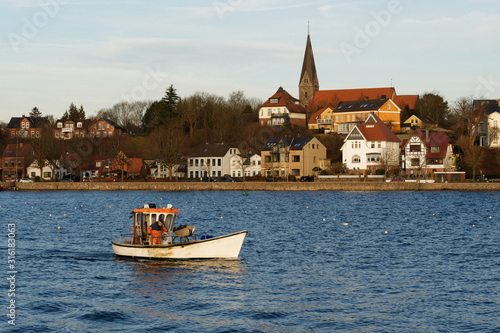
x: 313, y: 120
x: 435, y: 139
x: 377, y: 131
x: 403, y: 100
x: 286, y: 100
x: 22, y: 150
x: 323, y: 98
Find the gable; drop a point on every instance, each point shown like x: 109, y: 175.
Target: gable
x: 355, y: 134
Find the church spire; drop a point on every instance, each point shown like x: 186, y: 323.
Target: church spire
x: 308, y: 83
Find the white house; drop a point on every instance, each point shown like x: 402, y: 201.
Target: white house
x: 282, y: 109
x: 493, y: 114
x: 212, y: 160
x: 370, y: 146
x: 48, y: 172
x: 249, y: 166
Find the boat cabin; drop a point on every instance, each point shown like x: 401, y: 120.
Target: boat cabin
x: 149, y: 214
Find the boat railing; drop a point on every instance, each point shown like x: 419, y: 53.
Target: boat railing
x: 166, y: 239
x: 124, y: 238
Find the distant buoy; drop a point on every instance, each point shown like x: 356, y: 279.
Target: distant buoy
x: 109, y: 206
x: 473, y: 225
x: 64, y: 214
x: 324, y: 220
x: 221, y: 217
x: 433, y: 214
x: 334, y: 218
x: 50, y: 214
x: 386, y: 232
x: 346, y: 223
x: 75, y: 207
x: 307, y: 207
x: 490, y: 217
x: 58, y: 228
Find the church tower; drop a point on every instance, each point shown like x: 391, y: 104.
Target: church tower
x: 308, y: 83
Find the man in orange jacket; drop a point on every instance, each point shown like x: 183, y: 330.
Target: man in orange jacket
x: 155, y: 231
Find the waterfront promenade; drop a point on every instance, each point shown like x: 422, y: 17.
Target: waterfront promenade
x: 259, y: 186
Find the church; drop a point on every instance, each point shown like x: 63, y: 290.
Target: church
x: 343, y: 107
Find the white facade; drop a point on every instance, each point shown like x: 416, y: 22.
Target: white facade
x: 415, y: 157
x: 360, y: 154
x: 215, y: 166
x: 494, y: 130
x: 33, y: 170
x: 164, y: 172
x: 248, y: 167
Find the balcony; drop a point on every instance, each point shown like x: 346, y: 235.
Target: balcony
x: 325, y: 121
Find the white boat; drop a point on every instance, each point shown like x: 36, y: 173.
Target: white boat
x: 139, y: 244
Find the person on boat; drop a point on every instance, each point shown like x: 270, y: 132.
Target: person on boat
x: 155, y: 231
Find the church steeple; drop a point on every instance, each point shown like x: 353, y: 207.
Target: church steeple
x: 308, y: 83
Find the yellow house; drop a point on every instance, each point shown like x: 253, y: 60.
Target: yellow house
x: 422, y: 122
x: 292, y: 156
x: 348, y: 114
x: 322, y: 119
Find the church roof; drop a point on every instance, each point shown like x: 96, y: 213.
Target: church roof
x: 403, y: 100
x: 308, y: 65
x: 323, y: 98
x: 283, y: 98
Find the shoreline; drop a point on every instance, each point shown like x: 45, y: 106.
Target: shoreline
x: 258, y: 186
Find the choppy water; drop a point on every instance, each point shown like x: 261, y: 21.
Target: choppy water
x: 311, y: 262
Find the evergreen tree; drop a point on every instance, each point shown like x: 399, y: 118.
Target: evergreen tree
x: 35, y: 112
x: 74, y: 113
x: 163, y: 111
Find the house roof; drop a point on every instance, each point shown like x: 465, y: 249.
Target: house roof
x: 404, y: 100
x: 210, y: 150
x: 440, y: 139
x: 22, y: 150
x: 285, y: 100
x: 36, y: 122
x: 314, y: 118
x: 374, y: 129
x: 361, y: 105
x: 109, y: 121
x: 293, y: 143
x: 490, y: 105
x: 93, y: 161
x: 333, y: 97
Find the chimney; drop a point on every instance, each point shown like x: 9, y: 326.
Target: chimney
x: 427, y: 135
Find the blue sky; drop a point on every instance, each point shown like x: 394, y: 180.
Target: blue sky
x: 96, y: 53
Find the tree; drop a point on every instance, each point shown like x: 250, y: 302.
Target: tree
x: 163, y: 111
x: 35, y: 112
x: 74, y: 113
x: 167, y: 146
x: 472, y: 154
x: 434, y: 106
x: 42, y: 147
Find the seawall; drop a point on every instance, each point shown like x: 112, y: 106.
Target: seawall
x: 259, y: 186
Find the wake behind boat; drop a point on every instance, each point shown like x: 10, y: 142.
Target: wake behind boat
x: 174, y: 243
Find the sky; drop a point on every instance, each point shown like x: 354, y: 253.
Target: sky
x: 97, y: 53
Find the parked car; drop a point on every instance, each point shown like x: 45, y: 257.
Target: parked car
x: 209, y: 179
x: 227, y: 180
x: 25, y: 180
x: 306, y: 179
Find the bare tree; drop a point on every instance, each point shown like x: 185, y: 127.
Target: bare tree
x: 167, y: 144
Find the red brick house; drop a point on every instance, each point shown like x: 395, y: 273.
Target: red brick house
x: 15, y: 159
x: 105, y: 128
x: 26, y: 127
x: 69, y: 128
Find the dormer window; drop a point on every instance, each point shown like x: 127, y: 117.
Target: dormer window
x: 435, y: 149
x: 274, y: 101
x: 79, y: 125
x: 59, y: 125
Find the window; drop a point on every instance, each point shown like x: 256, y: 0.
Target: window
x: 104, y: 134
x: 295, y: 158
x: 57, y: 134
x: 336, y: 118
x: 435, y: 149
x: 37, y: 134
x: 219, y: 162
x: 98, y: 164
x: 267, y: 158
x: 348, y: 117
x: 196, y: 163
x: 6, y: 163
x: 47, y: 175
x: 415, y: 162
x: 342, y: 118
x: 110, y: 134
x: 414, y: 148
x: 202, y: 162
x: 356, y: 159
x: 274, y: 101
x: 27, y: 125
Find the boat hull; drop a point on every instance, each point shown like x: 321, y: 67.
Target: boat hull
x: 222, y: 247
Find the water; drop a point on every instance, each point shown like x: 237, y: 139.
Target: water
x: 311, y: 262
